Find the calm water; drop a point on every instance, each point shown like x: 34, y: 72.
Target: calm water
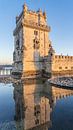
x: 35, y: 105
x: 6, y: 103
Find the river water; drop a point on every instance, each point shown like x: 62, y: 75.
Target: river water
x: 35, y: 105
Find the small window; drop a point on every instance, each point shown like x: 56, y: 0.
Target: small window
x: 62, y: 56
x: 60, y: 68
x: 36, y: 44
x: 51, y: 54
x: 49, y: 45
x: 71, y: 68
x: 59, y: 56
x: 18, y: 53
x: 71, y: 57
x: 66, y: 67
x: 35, y: 32
x: 37, y: 121
x: 14, y: 56
x: 37, y: 107
x: 17, y: 44
x: 55, y: 56
x: 34, y: 40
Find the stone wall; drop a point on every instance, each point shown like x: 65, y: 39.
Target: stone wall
x: 62, y: 63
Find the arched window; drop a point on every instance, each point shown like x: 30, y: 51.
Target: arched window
x: 36, y: 44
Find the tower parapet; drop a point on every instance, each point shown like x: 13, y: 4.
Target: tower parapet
x: 32, y: 19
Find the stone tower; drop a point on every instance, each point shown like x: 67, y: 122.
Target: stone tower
x: 31, y: 42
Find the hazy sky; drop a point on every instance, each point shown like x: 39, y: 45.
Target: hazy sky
x: 59, y: 17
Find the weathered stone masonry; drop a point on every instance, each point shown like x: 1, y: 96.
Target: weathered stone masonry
x: 33, y: 51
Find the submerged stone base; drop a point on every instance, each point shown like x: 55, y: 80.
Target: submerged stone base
x: 16, y: 75
x: 27, y: 75
x: 31, y: 75
x: 62, y: 73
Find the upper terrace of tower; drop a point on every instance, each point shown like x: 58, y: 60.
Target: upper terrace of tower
x: 32, y: 18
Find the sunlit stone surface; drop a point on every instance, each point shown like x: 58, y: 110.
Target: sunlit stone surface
x: 33, y: 54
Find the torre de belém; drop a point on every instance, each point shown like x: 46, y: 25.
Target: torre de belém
x: 33, y: 52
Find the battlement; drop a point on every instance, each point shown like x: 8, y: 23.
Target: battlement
x: 35, y: 19
x: 33, y: 14
x: 63, y: 57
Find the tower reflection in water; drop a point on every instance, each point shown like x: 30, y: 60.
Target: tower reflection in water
x: 33, y: 105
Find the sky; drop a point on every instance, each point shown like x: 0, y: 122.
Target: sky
x: 59, y: 17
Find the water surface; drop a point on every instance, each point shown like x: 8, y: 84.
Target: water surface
x: 7, y: 108
x: 35, y: 105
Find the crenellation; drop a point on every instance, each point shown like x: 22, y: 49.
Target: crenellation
x: 63, y: 57
x: 44, y: 14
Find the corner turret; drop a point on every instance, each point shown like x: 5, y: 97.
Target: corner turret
x: 51, y: 51
x: 25, y: 8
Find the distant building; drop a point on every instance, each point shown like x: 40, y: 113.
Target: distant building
x: 60, y: 64
x: 33, y: 52
x: 5, y: 70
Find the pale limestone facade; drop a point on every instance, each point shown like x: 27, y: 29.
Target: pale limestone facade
x: 31, y: 41
x: 60, y: 64
x: 33, y: 51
